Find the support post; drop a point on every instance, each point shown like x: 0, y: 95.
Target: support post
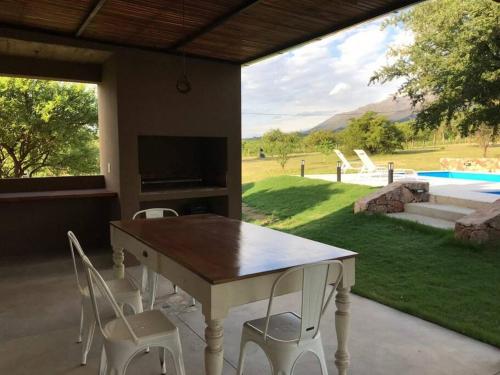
x: 302, y: 168
x: 390, y: 172
x: 339, y: 171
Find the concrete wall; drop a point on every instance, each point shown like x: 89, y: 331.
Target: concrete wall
x: 142, y: 87
x: 35, y: 223
x: 137, y: 96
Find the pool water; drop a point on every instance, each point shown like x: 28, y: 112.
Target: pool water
x: 490, y: 177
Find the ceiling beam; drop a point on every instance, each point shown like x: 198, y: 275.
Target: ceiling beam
x: 97, y: 7
x: 396, y: 5
x: 13, y: 31
x: 214, y: 24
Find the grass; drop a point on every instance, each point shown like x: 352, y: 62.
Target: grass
x: 254, y: 169
x: 413, y: 268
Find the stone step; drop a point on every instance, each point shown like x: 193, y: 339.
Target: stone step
x: 438, y: 211
x: 455, y: 201
x: 425, y: 220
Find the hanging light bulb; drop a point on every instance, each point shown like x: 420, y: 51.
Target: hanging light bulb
x: 183, y: 85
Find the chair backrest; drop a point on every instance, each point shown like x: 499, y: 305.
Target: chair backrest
x: 74, y: 244
x: 98, y: 287
x: 154, y: 213
x: 345, y: 163
x: 314, y: 304
x: 368, y: 164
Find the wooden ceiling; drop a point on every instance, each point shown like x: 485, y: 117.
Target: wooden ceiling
x: 231, y: 30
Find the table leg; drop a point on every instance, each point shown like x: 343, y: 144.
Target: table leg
x: 342, y: 301
x: 214, y: 351
x: 118, y: 266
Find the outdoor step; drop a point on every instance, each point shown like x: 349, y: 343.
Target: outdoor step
x: 425, y: 220
x: 455, y: 201
x: 438, y: 211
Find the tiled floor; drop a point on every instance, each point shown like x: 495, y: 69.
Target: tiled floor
x: 39, y: 316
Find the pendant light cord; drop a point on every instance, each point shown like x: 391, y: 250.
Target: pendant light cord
x: 183, y: 84
x: 183, y: 31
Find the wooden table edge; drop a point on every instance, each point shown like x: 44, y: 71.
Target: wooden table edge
x: 115, y: 223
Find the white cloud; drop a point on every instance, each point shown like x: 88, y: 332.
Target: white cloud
x: 339, y: 87
x: 323, y: 78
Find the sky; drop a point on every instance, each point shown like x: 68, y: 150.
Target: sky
x: 301, y: 88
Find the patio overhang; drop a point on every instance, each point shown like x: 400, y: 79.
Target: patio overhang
x: 232, y: 31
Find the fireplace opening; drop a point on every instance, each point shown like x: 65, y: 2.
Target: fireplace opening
x: 173, y: 163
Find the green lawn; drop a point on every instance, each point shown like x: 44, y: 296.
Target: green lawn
x: 416, y: 269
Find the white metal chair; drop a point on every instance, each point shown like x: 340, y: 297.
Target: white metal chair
x: 149, y: 278
x: 125, y: 291
x: 285, y: 337
x: 124, y: 337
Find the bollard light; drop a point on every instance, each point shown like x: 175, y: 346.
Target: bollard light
x: 390, y: 172
x: 302, y: 168
x: 339, y: 171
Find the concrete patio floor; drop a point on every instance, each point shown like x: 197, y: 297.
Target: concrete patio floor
x: 39, y: 317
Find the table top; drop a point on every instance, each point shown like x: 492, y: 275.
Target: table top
x: 220, y: 249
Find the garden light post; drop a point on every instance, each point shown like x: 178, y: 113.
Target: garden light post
x: 390, y: 172
x: 302, y: 168
x: 339, y: 171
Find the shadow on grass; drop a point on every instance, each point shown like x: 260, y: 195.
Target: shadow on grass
x: 284, y: 203
x: 419, y: 151
x: 247, y: 186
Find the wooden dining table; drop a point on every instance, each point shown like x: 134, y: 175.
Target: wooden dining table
x: 225, y: 263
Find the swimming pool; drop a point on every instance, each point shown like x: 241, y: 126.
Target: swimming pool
x: 490, y: 177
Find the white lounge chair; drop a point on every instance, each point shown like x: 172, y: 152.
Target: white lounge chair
x: 370, y: 167
x: 345, y: 163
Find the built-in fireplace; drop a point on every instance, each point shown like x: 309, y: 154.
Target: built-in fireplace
x: 188, y: 174
x: 182, y: 163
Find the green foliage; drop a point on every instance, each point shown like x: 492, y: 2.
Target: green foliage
x: 323, y: 141
x: 280, y: 144
x: 373, y: 133
x: 47, y: 128
x: 411, y: 135
x: 251, y: 147
x: 431, y: 275
x: 453, y: 66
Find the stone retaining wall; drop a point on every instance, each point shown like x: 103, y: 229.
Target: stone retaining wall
x: 481, y: 226
x: 393, y: 197
x: 470, y: 164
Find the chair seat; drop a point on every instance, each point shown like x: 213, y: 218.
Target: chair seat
x: 282, y: 327
x: 118, y: 287
x: 148, y: 325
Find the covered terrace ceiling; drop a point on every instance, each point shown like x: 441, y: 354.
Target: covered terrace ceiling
x: 230, y: 30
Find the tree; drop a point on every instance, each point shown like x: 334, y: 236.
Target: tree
x: 372, y: 132
x: 453, y: 66
x: 47, y: 127
x: 323, y: 141
x: 411, y: 135
x: 280, y: 144
x: 485, y: 138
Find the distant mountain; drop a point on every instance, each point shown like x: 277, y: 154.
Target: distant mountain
x: 398, y: 110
